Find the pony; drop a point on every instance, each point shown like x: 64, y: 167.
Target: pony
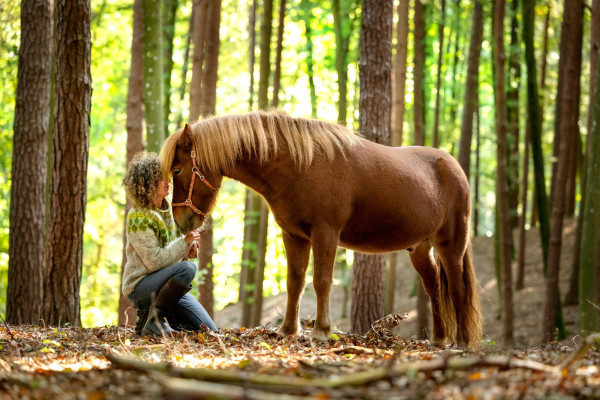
x: 329, y: 187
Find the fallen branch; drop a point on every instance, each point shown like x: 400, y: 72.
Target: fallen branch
x: 352, y: 379
x: 177, y: 388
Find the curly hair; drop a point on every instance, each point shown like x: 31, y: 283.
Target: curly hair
x: 141, y: 179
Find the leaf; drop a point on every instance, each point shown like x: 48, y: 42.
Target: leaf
x: 334, y: 337
x: 47, y: 350
x: 265, y: 345
x: 53, y: 342
x: 201, y: 338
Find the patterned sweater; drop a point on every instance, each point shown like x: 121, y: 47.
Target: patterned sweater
x: 153, y: 242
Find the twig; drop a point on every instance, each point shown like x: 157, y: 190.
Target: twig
x: 176, y: 388
x: 587, y: 344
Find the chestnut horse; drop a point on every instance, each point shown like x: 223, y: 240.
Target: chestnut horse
x: 328, y: 187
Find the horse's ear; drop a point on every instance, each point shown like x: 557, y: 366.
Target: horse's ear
x: 185, y: 140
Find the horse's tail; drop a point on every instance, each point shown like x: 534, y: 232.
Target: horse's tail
x: 473, y: 321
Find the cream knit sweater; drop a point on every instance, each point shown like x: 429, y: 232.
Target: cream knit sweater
x: 153, y: 242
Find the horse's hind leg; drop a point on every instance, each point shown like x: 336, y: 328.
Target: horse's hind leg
x: 297, y: 251
x: 423, y: 262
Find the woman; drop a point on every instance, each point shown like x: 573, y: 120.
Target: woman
x: 155, y: 278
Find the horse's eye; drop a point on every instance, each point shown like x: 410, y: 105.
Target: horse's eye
x: 176, y: 171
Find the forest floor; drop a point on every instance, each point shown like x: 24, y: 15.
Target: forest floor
x: 238, y: 363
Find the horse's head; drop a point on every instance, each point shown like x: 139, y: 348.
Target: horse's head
x: 194, y: 190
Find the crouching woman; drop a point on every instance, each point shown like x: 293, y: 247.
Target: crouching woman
x: 155, y: 278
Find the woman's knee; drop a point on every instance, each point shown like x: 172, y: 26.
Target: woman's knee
x: 186, y: 272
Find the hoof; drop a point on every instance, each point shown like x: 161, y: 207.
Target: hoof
x: 320, y: 335
x: 285, y: 332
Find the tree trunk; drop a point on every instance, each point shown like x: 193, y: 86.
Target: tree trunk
x: 589, y: 252
x: 263, y: 230
x: 438, y: 84
x: 200, y: 12
x: 169, y: 13
x: 29, y: 164
x: 375, y: 114
x: 400, y: 72
x: 471, y: 87
x: 572, y: 296
x: 343, y: 27
x: 457, y: 37
x: 135, y: 132
x: 534, y: 207
x: 251, y: 51
x: 153, y: 75
x: 249, y: 254
x: 513, y: 109
x: 62, y: 275
x: 419, y: 74
x: 570, y: 69
x: 306, y: 7
x: 477, y: 169
x: 520, y: 282
x: 208, y: 104
x: 504, y: 230
x: 535, y: 123
x: 185, y: 66
x: 277, y: 73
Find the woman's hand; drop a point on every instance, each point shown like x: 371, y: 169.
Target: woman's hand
x: 193, y: 236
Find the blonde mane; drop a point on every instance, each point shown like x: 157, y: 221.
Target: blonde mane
x: 220, y: 141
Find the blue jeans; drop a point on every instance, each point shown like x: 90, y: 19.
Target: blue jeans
x: 188, y: 313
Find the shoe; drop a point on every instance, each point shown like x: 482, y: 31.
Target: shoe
x: 142, y: 317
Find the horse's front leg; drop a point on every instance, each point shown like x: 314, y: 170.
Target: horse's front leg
x: 298, y: 252
x: 324, y: 244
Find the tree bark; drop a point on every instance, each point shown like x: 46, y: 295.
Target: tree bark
x: 419, y: 74
x: 278, y: 51
x: 29, y: 165
x: 570, y: 70
x: 589, y: 252
x: 438, y: 84
x: 62, y: 275
x: 513, y: 109
x: 343, y: 26
x: 169, y: 13
x: 153, y: 75
x: 471, y: 87
x: 208, y: 104
x: 502, y: 182
x: 375, y: 114
x: 185, y: 66
x: 200, y: 11
x: 400, y: 72
x: 306, y: 7
x: 135, y: 132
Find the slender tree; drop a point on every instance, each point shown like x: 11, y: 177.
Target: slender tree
x: 419, y: 74
x: 343, y: 28
x: 28, y: 183
x: 135, y: 130
x: 572, y: 296
x: 306, y: 6
x: 470, y: 102
x: 185, y: 66
x: 278, y: 51
x: 208, y: 107
x: 153, y: 75
x: 570, y: 69
x: 62, y: 274
x: 589, y: 264
x: 438, y: 84
x: 501, y: 181
x: 513, y: 110
x: 169, y: 13
x: 400, y: 71
x: 200, y: 24
x: 375, y: 114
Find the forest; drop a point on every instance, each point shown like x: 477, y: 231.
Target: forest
x: 509, y: 89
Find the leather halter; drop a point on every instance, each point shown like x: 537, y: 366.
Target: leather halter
x: 188, y: 201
